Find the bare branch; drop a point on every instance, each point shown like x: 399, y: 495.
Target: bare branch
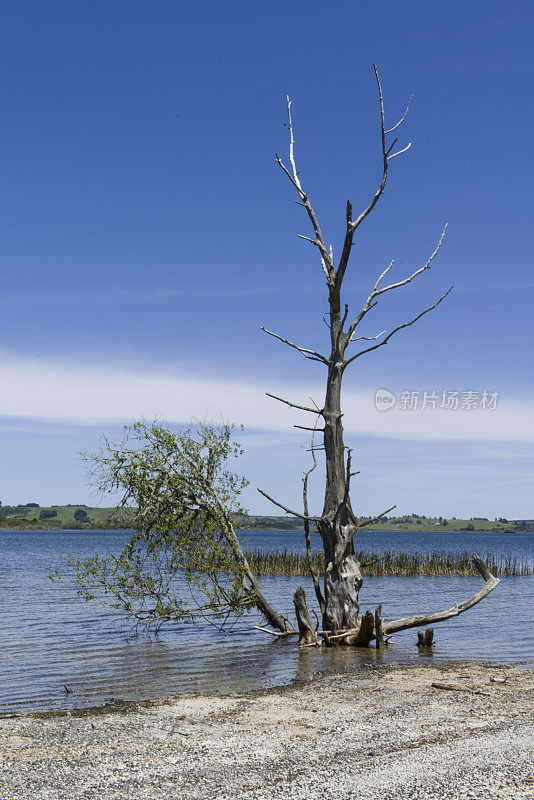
x: 328, y: 265
x: 381, y: 188
x: 307, y: 239
x: 376, y: 292
x: 311, y: 354
x: 399, y: 152
x: 383, y: 274
x: 374, y: 519
x: 394, y: 128
x: 352, y: 225
x: 306, y: 428
x: 348, y: 474
x: 279, y: 635
x: 400, y: 327
x: 370, y: 302
x: 366, y: 338
x: 285, y: 508
x: 392, y: 145
x: 294, y: 405
x: 427, y: 619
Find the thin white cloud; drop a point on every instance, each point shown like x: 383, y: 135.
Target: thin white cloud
x: 162, y: 294
x: 93, y: 394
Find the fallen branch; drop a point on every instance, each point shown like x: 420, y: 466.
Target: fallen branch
x: 428, y: 619
x: 279, y: 635
x: 455, y: 687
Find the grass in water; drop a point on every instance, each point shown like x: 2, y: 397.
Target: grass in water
x: 284, y: 562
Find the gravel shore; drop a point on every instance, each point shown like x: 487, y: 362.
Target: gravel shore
x: 385, y: 734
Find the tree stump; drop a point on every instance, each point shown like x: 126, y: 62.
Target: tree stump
x: 307, y: 633
x: 379, y: 631
x: 425, y: 638
x: 365, y: 633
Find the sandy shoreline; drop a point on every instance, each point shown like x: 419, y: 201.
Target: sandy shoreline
x: 380, y: 734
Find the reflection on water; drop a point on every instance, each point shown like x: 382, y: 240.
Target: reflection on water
x: 49, y: 639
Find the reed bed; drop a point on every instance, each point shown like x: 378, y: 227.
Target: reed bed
x: 284, y: 562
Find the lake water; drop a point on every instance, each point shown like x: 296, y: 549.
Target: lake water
x: 50, y: 639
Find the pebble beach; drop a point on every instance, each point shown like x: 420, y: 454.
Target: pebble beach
x: 453, y: 730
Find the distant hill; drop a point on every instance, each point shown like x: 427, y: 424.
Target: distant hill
x: 80, y: 517
x: 61, y: 517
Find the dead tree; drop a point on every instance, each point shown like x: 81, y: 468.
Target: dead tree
x: 338, y: 524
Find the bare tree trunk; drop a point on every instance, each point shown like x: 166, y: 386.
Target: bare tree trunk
x: 337, y: 523
x: 337, y: 526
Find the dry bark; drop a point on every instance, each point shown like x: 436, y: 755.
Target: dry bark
x: 379, y: 630
x: 425, y: 638
x: 307, y: 634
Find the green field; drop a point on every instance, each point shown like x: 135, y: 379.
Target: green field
x: 81, y: 516
x: 61, y: 517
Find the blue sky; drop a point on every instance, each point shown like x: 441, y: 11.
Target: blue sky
x: 146, y: 234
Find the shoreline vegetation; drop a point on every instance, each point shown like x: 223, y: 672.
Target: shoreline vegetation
x: 33, y: 517
x: 388, y: 563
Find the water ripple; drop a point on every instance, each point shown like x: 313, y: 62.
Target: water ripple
x: 50, y: 639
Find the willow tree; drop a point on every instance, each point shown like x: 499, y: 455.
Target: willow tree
x: 338, y: 524
x: 180, y: 498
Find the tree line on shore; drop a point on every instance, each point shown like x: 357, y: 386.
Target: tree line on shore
x: 80, y: 516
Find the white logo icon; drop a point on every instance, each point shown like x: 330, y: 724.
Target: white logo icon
x: 384, y: 400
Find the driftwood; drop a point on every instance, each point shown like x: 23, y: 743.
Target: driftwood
x: 429, y: 619
x: 456, y: 687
